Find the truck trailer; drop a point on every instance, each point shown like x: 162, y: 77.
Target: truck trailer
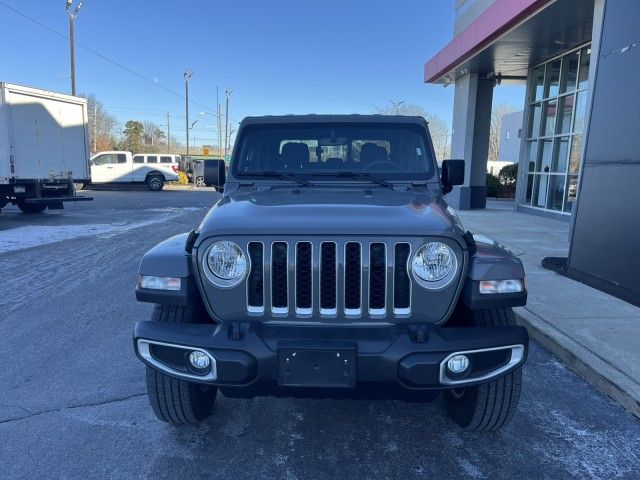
x: 44, y: 148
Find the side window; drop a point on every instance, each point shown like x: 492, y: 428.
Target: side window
x: 109, y: 158
x: 152, y: 159
x: 165, y: 160
x: 138, y: 159
x: 99, y: 160
x: 122, y: 158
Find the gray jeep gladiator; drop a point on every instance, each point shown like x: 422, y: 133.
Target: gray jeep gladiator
x: 332, y: 267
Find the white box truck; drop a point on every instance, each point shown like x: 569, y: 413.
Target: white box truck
x: 44, y: 147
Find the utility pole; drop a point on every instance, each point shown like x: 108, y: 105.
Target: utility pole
x: 95, y: 128
x: 396, y: 104
x: 187, y: 76
x: 168, y: 134
x: 72, y: 17
x: 219, y: 121
x: 228, y: 93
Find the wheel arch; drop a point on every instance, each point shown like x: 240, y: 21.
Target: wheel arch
x: 169, y: 259
x: 155, y: 173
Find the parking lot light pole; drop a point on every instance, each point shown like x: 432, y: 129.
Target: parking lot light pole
x: 72, y: 17
x: 214, y: 127
x: 187, y: 76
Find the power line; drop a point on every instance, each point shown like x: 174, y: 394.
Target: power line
x: 104, y: 57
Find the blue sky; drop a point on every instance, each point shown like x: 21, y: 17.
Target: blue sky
x: 278, y: 56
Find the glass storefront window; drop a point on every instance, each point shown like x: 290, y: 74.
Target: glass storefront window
x: 529, y: 188
x: 557, y: 105
x: 572, y: 192
x: 560, y: 154
x: 534, y: 123
x: 585, y: 60
x: 576, y: 151
x: 533, y: 155
x: 565, y: 111
x: 537, y: 88
x: 552, y: 79
x: 545, y: 158
x: 549, y: 118
x: 581, y: 107
x: 569, y: 72
x: 556, y: 192
x: 540, y: 190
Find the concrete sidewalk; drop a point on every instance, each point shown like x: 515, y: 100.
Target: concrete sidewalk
x: 595, y: 334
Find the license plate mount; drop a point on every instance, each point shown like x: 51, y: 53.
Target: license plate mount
x: 317, y: 367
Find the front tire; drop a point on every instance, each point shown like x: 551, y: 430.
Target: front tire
x: 155, y: 183
x: 178, y: 402
x: 489, y: 406
x: 31, y: 208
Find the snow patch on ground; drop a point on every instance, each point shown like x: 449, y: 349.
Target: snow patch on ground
x: 37, y: 235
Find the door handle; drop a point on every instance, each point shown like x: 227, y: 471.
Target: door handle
x: 109, y: 167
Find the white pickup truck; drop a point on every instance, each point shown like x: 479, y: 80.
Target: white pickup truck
x: 119, y: 167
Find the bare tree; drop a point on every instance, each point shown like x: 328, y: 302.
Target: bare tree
x: 438, y: 128
x: 154, y: 138
x: 499, y: 110
x: 103, y: 128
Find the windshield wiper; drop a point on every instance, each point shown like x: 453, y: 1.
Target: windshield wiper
x: 285, y: 176
x: 357, y: 176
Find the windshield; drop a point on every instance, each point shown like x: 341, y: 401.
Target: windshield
x: 314, y: 151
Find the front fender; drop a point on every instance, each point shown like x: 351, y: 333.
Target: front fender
x: 168, y: 259
x: 492, y: 261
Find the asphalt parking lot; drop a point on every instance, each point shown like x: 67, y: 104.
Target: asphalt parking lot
x: 73, y: 397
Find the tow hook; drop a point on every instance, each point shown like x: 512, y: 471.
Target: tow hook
x: 418, y: 333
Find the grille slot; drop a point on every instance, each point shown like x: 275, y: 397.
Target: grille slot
x: 304, y: 282
x: 255, y: 281
x: 377, y: 278
x: 352, y: 278
x: 309, y: 279
x: 328, y: 278
x: 279, y: 283
x: 401, y: 280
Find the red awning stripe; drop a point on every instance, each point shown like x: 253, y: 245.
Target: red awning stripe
x: 496, y: 20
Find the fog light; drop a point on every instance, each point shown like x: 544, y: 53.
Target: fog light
x: 458, y: 364
x: 199, y: 360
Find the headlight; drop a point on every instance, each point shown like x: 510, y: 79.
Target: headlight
x: 227, y: 262
x: 435, y: 263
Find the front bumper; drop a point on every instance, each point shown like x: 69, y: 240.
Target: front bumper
x: 412, y: 357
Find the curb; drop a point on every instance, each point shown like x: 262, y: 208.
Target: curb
x: 602, y: 375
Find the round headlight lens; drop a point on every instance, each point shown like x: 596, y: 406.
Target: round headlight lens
x: 226, y: 260
x: 433, y: 261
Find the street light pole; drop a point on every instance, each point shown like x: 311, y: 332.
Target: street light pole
x: 187, y: 76
x: 72, y: 17
x: 228, y: 93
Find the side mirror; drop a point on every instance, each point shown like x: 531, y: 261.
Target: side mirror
x: 214, y: 173
x: 452, y: 174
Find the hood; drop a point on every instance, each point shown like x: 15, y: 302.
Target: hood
x: 327, y: 211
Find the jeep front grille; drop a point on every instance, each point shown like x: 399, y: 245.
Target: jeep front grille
x: 328, y: 278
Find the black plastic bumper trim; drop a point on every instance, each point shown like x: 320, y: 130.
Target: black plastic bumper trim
x: 386, y: 354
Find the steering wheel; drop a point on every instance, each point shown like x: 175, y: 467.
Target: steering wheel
x: 382, y: 162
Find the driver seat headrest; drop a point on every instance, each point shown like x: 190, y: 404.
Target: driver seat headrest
x: 370, y: 153
x: 294, y: 155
